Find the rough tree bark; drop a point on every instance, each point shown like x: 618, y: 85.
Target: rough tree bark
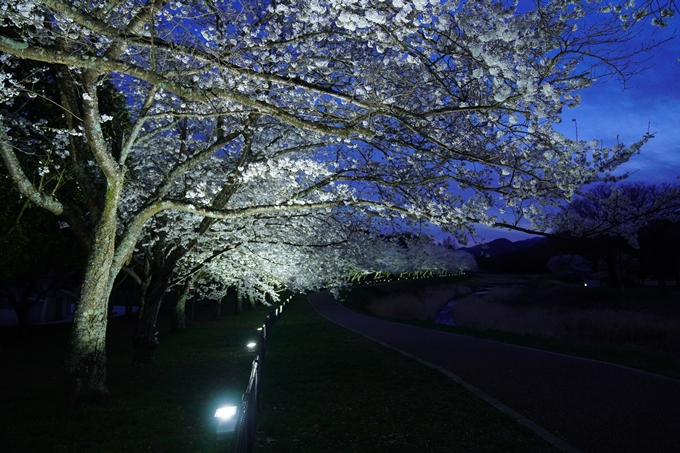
x: 86, y: 359
x: 179, y: 318
x: 145, y: 339
x: 86, y: 362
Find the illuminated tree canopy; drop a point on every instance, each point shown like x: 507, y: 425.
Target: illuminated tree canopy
x: 391, y: 109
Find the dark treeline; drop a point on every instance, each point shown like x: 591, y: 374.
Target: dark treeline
x: 616, y: 263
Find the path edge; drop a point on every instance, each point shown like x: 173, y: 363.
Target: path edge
x: 539, y: 431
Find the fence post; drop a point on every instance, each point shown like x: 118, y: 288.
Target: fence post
x: 246, y: 424
x: 246, y: 427
x: 255, y: 405
x: 262, y: 346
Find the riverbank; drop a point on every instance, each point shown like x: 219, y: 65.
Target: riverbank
x: 635, y: 327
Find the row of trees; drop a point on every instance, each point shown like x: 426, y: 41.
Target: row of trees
x: 192, y: 136
x: 626, y: 221
x: 622, y: 232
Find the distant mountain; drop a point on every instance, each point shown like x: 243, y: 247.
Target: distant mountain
x: 498, y: 246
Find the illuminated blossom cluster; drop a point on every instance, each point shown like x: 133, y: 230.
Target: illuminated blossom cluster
x: 202, y: 115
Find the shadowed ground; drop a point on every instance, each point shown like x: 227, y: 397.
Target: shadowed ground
x: 593, y: 406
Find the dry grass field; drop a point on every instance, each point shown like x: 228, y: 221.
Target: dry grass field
x: 423, y: 305
x: 639, y: 319
x: 506, y: 309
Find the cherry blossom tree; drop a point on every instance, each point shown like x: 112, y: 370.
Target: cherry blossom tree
x: 297, y: 257
x: 619, y: 216
x: 621, y: 210
x: 435, y: 110
x: 570, y: 267
x: 271, y: 166
x: 410, y: 254
x: 300, y: 253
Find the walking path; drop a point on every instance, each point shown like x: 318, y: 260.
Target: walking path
x: 577, y: 404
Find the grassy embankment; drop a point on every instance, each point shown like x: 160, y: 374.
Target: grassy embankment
x: 634, y: 327
x: 326, y: 389
x: 330, y: 390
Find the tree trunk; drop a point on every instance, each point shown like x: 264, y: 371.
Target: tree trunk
x: 179, y: 315
x: 239, y: 302
x: 21, y: 305
x: 145, y: 340
x: 159, y: 273
x: 129, y: 301
x: 86, y: 360
x: 251, y: 301
x: 190, y: 321
x: 662, y: 275
x: 614, y: 279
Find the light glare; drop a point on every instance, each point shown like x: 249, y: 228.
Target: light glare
x: 225, y: 412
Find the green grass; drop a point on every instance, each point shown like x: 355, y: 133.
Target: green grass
x: 167, y: 407
x: 325, y: 390
x: 330, y: 390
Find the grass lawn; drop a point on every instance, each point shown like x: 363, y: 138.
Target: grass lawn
x: 330, y: 390
x: 326, y: 389
x: 167, y: 407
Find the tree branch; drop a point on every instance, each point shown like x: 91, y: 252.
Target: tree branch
x: 24, y: 50
x: 22, y: 182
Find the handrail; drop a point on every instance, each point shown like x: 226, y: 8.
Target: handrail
x: 245, y: 427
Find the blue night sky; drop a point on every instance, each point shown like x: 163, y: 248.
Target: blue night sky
x: 650, y: 98
x: 607, y: 110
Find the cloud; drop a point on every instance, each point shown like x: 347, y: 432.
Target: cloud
x: 650, y: 102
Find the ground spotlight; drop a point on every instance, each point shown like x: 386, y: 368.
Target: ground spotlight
x: 226, y: 412
x: 226, y: 420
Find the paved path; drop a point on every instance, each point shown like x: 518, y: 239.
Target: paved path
x: 593, y: 407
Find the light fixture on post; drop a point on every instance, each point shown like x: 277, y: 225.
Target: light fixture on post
x: 251, y: 346
x: 226, y: 416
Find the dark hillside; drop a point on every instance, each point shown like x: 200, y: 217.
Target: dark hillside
x: 525, y: 257
x: 499, y: 246
x: 526, y: 260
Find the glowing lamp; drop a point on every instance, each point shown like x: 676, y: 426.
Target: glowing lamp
x: 227, y: 418
x: 226, y: 412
